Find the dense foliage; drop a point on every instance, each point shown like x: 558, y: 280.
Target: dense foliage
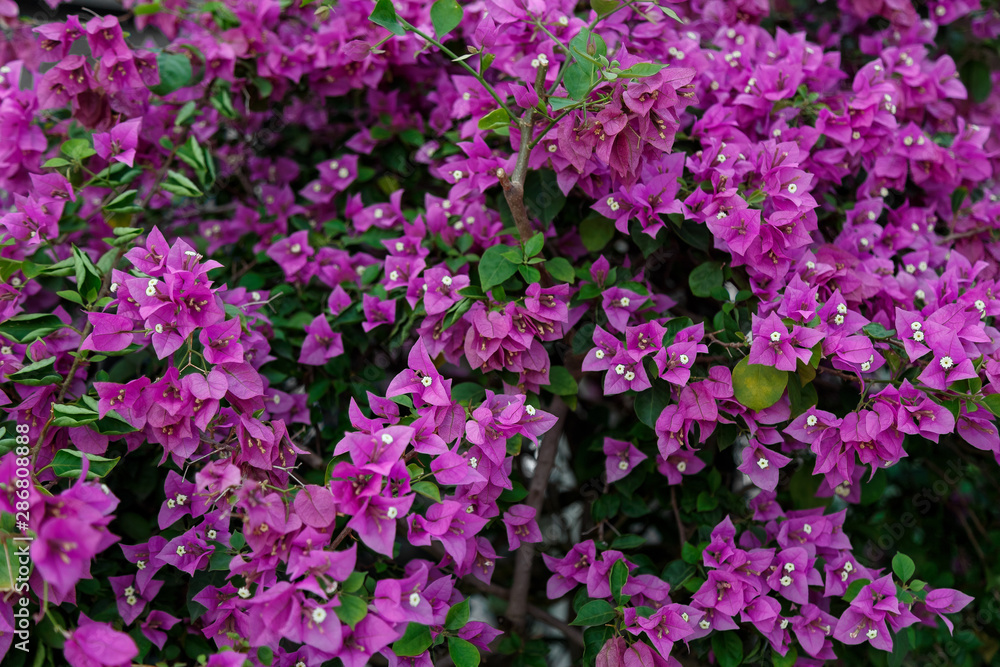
x: 405, y: 333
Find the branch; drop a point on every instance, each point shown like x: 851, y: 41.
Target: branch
x: 536, y: 493
x: 513, y: 186
x: 571, y: 633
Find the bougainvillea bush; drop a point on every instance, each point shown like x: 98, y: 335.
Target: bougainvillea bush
x: 508, y: 332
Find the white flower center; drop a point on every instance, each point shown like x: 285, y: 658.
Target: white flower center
x: 620, y: 369
x: 786, y: 580
x: 181, y: 550
x: 131, y: 600
x: 872, y: 634
x: 414, y: 599
x: 392, y: 512
x: 918, y: 336
x: 212, y: 533
x: 704, y: 625
x: 682, y: 466
x: 792, y: 188
x: 296, y: 248
x: 916, y: 326
x: 394, y: 275
x: 838, y: 319
x: 141, y: 564
x: 446, y: 281
x: 763, y: 463
x: 319, y: 615
x: 386, y: 439
x: 426, y: 381
x: 842, y: 308
x: 946, y: 362
x: 343, y: 172
x: 775, y: 336
x: 530, y: 409
x: 807, y: 529
x: 474, y: 462
x: 684, y: 359
x: 623, y: 465
x: 624, y: 302
x: 129, y: 591
x: 244, y: 592
x: 599, y: 354
x: 920, y: 294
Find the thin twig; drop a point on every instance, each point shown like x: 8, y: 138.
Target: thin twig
x: 536, y: 493
x: 677, y: 516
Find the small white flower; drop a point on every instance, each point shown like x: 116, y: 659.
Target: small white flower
x: 630, y: 376
x: 789, y: 567
x: 910, y: 268
x: 113, y: 287
x: 883, y: 192
x: 212, y: 533
x: 810, y: 265
x: 457, y: 175
x: 920, y: 294
x: 980, y: 304
x: 685, y: 616
x: 916, y: 326
x: 864, y: 242
x: 872, y: 634
x: 500, y: 172
x: 334, y: 164
x: 721, y: 158
x: 319, y: 615
x: 181, y: 551
x: 530, y: 409
x: 343, y: 172
x: 131, y: 600
x: 427, y: 380
x: 386, y: 439
x: 946, y: 362
x: 141, y: 564
x: 844, y: 576
x: 392, y: 512
x: 842, y: 308
x: 470, y: 509
x: 776, y: 131
x: 624, y: 302
x: 682, y: 466
x: 158, y: 328
x: 150, y: 291
x: 6, y: 349
x: 811, y: 420
x: 792, y: 188
x: 908, y: 141
x: 855, y: 135
x: 704, y: 625
x: 599, y: 354
x: 940, y: 10
x: 129, y: 590
x: 244, y: 592
x: 763, y: 463
x: 848, y: 566
x: 563, y: 21
x: 807, y: 529
x: 684, y: 359
x: 721, y: 215
x: 378, y: 213
x: 922, y: 266
x: 838, y: 319
x: 786, y: 580
x: 446, y: 203
x: 446, y: 281
x: 623, y: 465
x: 474, y: 462
x: 295, y: 249
x: 553, y: 148
x: 784, y: 623
x: 255, y: 296
x: 866, y: 366
x: 775, y: 336
x: 620, y: 369
x: 414, y: 599
x: 394, y: 275
x: 918, y: 336
x: 171, y: 503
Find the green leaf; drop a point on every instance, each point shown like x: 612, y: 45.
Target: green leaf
x: 604, y: 7
x: 992, y: 403
x: 463, y: 653
x: 596, y: 231
x: 560, y: 269
x: 623, y: 542
x: 855, y: 587
x: 595, y: 612
x: 641, y: 69
x: 691, y: 553
x: 705, y: 278
x: 352, y: 609
x: 787, y: 660
x: 707, y: 502
x: 179, y: 184
x: 876, y: 330
x: 38, y: 374
x: 617, y: 579
x: 758, y: 386
x: 175, y: 73
x: 265, y: 654
x: 30, y: 327
x: 354, y: 582
x: 903, y: 566
x: 69, y: 462
x: 977, y: 78
x: 728, y: 649
x: 494, y: 268
x: 72, y: 415
x: 445, y: 15
x: 649, y: 404
x: 561, y: 382
x: 428, y: 490
x: 417, y: 637
x: 88, y: 278
x: 457, y: 616
x: 78, y: 149
x: 579, y: 79
x: 55, y: 163
x: 671, y: 13
x: 494, y: 120
x: 533, y: 246
x: 384, y: 15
